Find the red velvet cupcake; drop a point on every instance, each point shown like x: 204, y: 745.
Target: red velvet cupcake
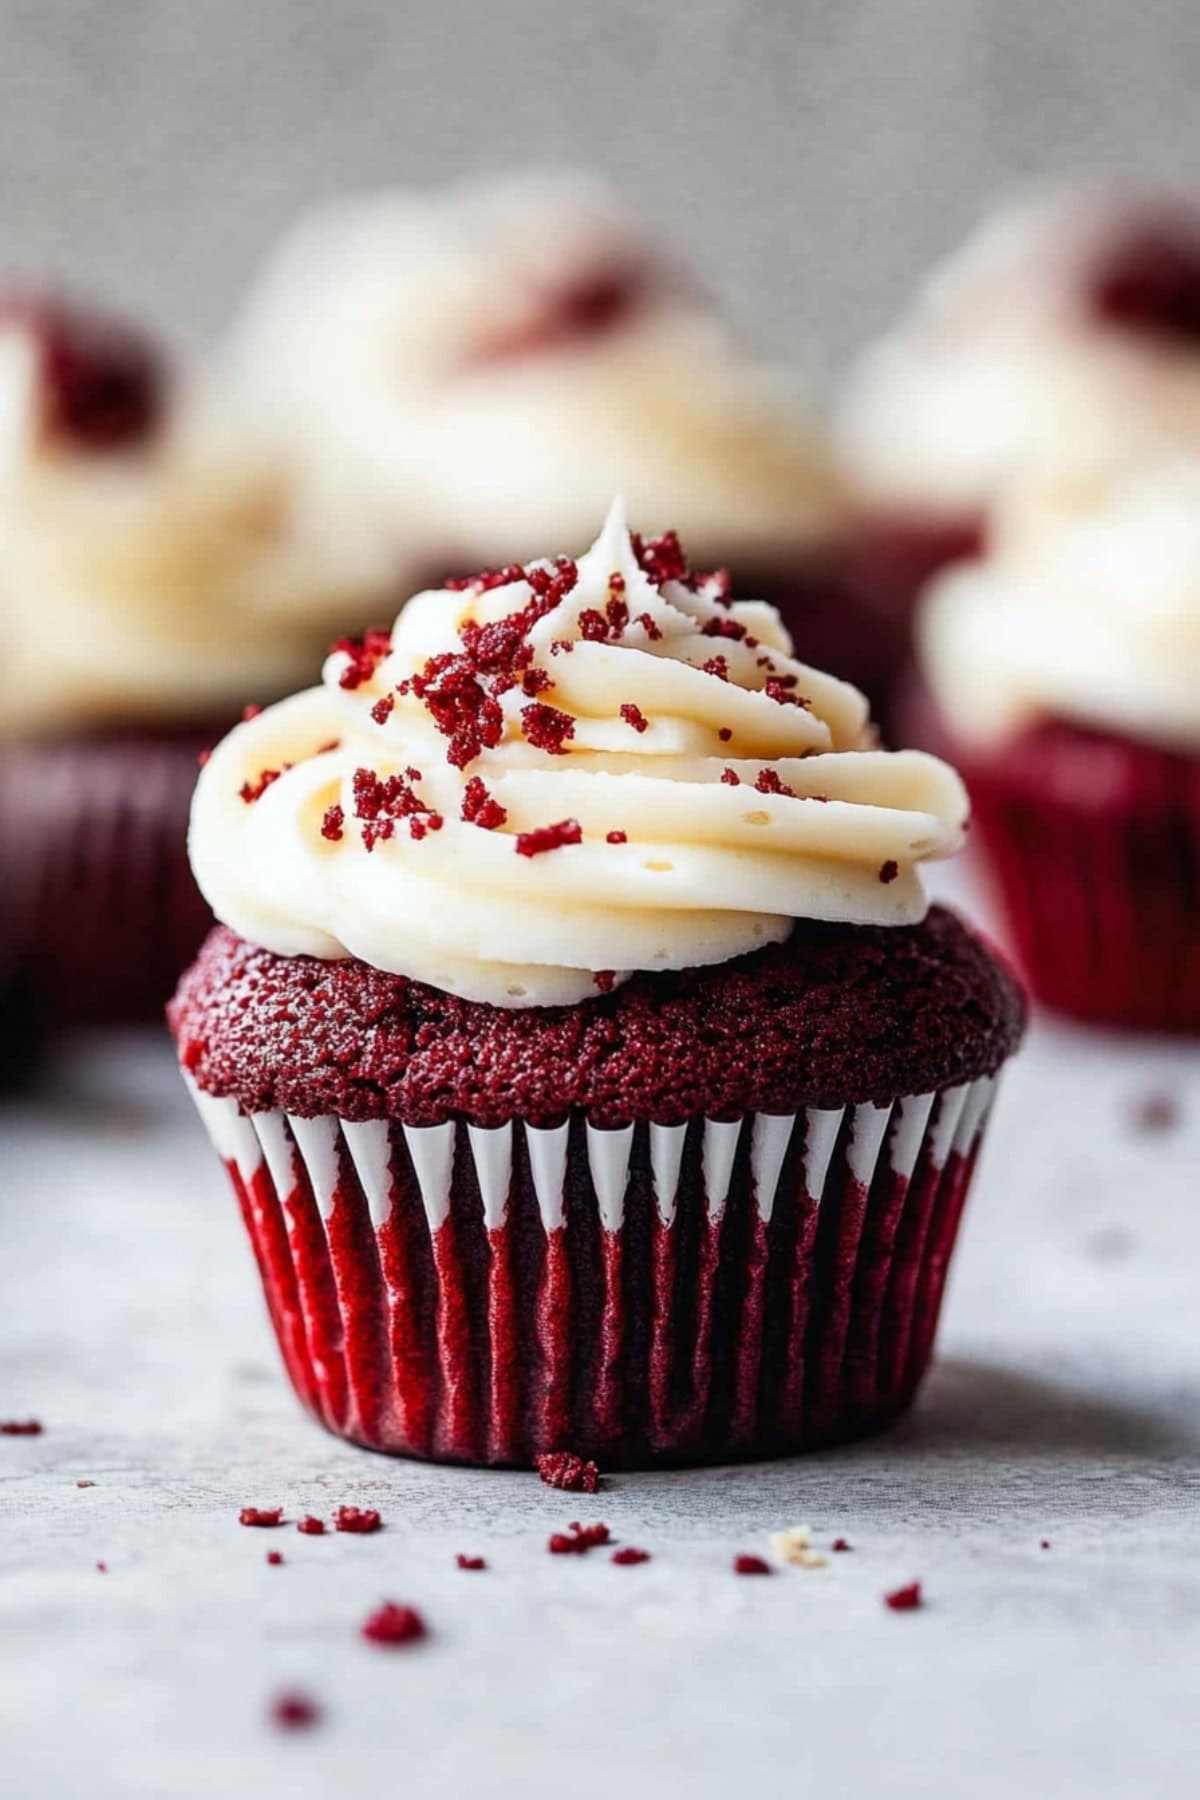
x: 471, y: 373
x: 153, y: 569
x: 1072, y: 317
x: 1066, y: 672
x: 585, y: 1063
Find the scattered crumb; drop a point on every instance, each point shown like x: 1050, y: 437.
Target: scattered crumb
x: 85, y: 1484
x: 563, y: 1469
x: 577, y: 1539
x: 794, y: 1547
x: 470, y: 1562
x: 628, y: 1555
x: 274, y: 1557
x: 391, y: 1624
x: 102, y: 1567
x: 20, y: 1428
x: 904, y: 1599
x: 1155, y: 1112
x: 361, y: 1520
x: 311, y: 1526
x: 261, y: 1515
x: 1045, y: 1544
x: 841, y: 1543
x: 295, y: 1712
x: 745, y: 1564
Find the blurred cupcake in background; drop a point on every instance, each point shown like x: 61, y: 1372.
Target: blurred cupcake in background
x: 1065, y: 667
x: 586, y: 1063
x: 1069, y: 320
x: 471, y: 373
x: 154, y: 573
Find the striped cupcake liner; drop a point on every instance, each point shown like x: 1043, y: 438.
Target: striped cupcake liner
x: 650, y: 1294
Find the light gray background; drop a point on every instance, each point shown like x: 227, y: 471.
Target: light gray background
x: 812, y: 155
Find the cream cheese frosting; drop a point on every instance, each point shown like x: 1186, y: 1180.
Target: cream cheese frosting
x: 1086, y: 607
x: 485, y: 366
x: 157, y: 579
x: 549, y: 779
x: 1004, y: 360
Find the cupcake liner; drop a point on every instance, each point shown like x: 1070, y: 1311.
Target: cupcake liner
x: 651, y: 1294
x: 95, y: 833
x: 1097, y: 865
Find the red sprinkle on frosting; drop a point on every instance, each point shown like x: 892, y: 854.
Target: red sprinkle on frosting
x: 549, y: 837
x: 578, y: 1539
x: 746, y: 1564
x: 480, y: 808
x: 904, y: 1599
x: 261, y: 1515
x: 391, y: 1625
x: 563, y: 1469
x: 360, y: 1520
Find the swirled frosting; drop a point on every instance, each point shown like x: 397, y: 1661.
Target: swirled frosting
x: 1071, y: 318
x: 151, y: 567
x: 1086, y: 607
x: 484, y: 366
x: 550, y: 778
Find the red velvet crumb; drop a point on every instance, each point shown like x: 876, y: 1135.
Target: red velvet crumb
x: 311, y: 1526
x: 563, y: 1469
x: 102, y: 1568
x: 333, y: 824
x: 617, y: 837
x: 364, y: 656
x: 549, y: 837
x: 841, y: 1543
x: 391, y: 1624
x: 767, y: 782
x: 261, y: 1515
x: 102, y: 386
x: 633, y: 715
x: 294, y: 1712
x: 888, y: 871
x: 724, y: 734
x: 662, y: 558
x: 360, y: 1520
x: 605, y: 980
x: 480, y: 808
x: 904, y: 1599
x: 383, y: 802
x: 383, y: 708
x: 628, y: 1555
x: 731, y: 778
x: 85, y: 1484
x: 723, y: 626
x: 746, y: 1564
x: 20, y: 1428
x: 275, y: 1558
x: 470, y: 1562
x: 1045, y: 1544
x: 546, y: 728
x: 250, y: 791
x: 577, y: 1539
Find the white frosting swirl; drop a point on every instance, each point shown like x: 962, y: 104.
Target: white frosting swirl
x: 417, y: 350
x: 151, y: 582
x: 1087, y: 607
x: 1001, y: 362
x: 707, y: 869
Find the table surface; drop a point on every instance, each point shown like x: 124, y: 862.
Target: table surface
x: 1065, y: 1406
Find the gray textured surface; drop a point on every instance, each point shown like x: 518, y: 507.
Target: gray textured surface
x: 813, y: 156
x: 1066, y: 1404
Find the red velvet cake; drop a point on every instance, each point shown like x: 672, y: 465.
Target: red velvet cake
x: 586, y: 1065
x: 151, y: 571
x: 1065, y: 678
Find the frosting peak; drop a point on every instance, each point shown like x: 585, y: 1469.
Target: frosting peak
x: 549, y: 777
